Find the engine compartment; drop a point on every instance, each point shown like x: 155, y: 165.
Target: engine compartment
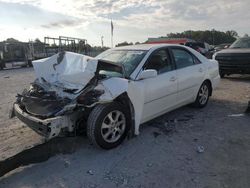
x: 41, y: 103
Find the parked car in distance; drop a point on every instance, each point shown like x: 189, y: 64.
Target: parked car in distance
x: 221, y: 47
x: 235, y: 59
x: 202, y: 47
x: 112, y: 94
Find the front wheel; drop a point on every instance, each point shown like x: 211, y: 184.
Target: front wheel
x: 203, y: 95
x: 107, y: 125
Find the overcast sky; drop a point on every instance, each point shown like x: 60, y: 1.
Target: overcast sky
x: 134, y: 20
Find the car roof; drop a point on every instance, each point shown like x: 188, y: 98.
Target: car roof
x: 144, y: 46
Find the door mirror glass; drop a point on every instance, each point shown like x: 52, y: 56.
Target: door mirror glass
x: 150, y: 73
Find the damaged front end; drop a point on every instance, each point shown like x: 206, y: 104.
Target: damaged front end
x: 67, y: 86
x: 45, y: 112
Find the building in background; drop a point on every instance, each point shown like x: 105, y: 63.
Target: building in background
x: 168, y: 40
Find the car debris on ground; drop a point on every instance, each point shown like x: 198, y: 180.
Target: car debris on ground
x: 200, y: 149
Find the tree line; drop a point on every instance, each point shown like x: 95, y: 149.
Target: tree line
x: 212, y: 37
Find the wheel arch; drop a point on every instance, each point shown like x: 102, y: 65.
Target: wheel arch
x: 126, y: 102
x: 208, y: 81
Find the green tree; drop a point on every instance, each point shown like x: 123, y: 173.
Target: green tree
x: 209, y: 36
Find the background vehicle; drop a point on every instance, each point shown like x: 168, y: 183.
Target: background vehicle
x: 235, y: 59
x: 112, y: 94
x: 221, y: 47
x: 202, y: 47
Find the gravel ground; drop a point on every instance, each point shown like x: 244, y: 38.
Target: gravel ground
x: 14, y: 135
x: 203, y: 148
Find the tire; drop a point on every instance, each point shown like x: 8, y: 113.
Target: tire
x: 203, y: 95
x: 102, y: 128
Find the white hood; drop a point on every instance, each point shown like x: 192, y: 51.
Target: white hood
x: 66, y: 69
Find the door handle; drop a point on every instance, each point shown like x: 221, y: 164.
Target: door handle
x: 200, y: 70
x: 173, y: 78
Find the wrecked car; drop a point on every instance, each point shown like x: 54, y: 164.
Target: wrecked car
x: 111, y: 95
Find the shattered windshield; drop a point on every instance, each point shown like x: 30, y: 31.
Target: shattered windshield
x: 128, y: 58
x: 241, y: 43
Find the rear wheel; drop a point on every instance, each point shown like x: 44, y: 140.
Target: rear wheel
x: 107, y: 125
x: 203, y: 95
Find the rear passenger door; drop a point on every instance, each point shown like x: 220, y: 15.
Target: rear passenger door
x: 190, y: 74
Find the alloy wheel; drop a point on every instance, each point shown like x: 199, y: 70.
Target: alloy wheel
x: 113, y: 126
x: 203, y: 94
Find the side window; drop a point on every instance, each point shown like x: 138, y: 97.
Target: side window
x: 159, y: 61
x: 196, y: 60
x: 182, y: 58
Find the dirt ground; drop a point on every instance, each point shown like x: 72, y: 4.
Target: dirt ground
x: 203, y: 148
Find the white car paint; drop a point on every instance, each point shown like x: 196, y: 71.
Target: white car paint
x: 150, y: 97
x: 158, y: 92
x: 153, y: 97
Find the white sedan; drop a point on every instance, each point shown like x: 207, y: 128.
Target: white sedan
x: 112, y: 94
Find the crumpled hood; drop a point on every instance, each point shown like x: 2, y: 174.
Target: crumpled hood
x: 66, y: 69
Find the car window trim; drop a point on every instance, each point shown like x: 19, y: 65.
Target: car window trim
x: 181, y: 48
x: 169, y: 56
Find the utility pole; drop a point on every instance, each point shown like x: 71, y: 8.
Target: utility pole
x: 213, y: 30
x: 112, y: 32
x: 102, y: 40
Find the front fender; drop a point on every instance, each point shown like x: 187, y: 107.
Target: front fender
x: 115, y: 86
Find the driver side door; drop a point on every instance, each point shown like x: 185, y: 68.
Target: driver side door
x: 160, y: 92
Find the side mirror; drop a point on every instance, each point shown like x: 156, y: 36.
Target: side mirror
x: 150, y: 73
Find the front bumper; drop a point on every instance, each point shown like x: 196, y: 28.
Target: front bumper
x: 229, y: 67
x: 48, y: 128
